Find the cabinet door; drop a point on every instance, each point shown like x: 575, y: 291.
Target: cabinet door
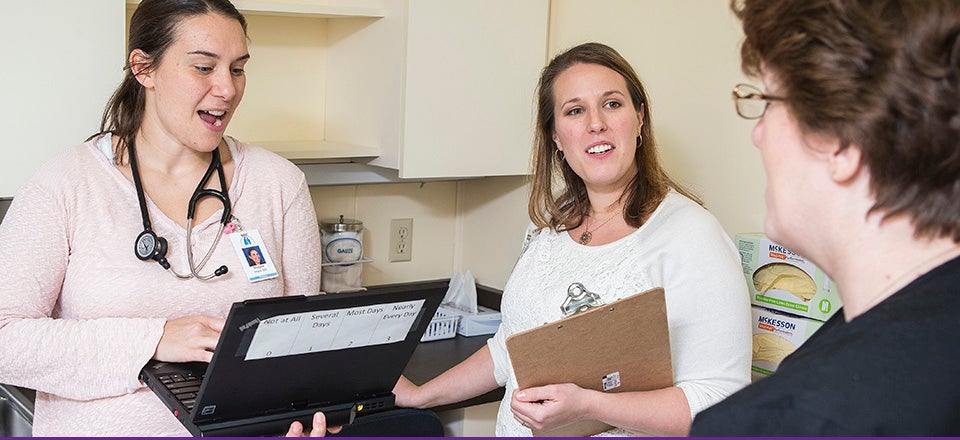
x: 471, y: 70
x: 62, y: 60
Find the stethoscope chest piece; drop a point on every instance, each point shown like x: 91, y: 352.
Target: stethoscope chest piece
x: 149, y: 246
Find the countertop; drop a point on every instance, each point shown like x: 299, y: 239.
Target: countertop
x: 432, y: 358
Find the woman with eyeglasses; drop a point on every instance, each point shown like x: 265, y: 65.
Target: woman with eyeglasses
x: 859, y: 131
x: 128, y: 247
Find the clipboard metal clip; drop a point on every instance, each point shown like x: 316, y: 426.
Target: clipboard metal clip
x: 579, y: 299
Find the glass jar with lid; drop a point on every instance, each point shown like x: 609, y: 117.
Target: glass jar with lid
x: 341, y: 240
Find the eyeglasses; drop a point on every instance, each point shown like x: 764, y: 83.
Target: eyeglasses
x: 750, y: 102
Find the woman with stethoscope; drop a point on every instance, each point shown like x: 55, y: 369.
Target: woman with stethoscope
x: 131, y: 245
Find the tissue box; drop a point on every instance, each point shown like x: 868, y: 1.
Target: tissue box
x: 485, y: 322
x: 780, y: 279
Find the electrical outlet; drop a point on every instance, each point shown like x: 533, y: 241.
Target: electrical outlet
x: 401, y: 239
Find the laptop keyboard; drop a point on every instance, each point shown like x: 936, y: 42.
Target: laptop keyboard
x: 184, y: 386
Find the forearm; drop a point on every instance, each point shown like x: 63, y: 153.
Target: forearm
x: 662, y: 412
x: 70, y: 358
x: 470, y: 378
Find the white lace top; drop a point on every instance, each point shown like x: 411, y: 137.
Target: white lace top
x: 681, y: 248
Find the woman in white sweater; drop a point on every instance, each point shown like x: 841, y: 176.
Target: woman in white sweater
x: 618, y: 225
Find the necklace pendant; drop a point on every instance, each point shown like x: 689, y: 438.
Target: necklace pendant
x: 585, y: 237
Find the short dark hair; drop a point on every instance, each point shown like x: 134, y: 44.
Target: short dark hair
x: 152, y: 29
x: 881, y: 74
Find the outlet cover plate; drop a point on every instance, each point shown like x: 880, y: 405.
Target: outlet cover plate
x: 401, y: 239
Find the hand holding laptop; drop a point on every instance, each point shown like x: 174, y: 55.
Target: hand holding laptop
x: 194, y: 338
x: 251, y: 385
x: 189, y: 339
x: 319, y: 428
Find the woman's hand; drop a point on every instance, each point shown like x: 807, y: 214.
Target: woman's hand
x: 550, y: 407
x: 189, y: 339
x: 406, y: 393
x: 319, y: 428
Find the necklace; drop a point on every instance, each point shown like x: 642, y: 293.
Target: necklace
x: 587, y: 235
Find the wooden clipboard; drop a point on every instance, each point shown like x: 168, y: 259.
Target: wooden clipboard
x: 625, y: 342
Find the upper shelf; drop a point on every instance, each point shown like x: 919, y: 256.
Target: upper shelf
x: 290, y: 8
x: 302, y: 152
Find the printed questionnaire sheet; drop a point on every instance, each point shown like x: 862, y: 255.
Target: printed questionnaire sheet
x: 338, y: 329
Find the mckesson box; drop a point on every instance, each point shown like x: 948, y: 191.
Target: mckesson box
x: 775, y: 335
x: 782, y: 280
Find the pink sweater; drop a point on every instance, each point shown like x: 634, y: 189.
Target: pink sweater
x: 80, y: 314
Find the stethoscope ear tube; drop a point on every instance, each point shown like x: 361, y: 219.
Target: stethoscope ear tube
x: 201, y: 192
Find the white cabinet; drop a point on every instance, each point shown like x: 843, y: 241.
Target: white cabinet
x: 427, y: 88
x: 470, y: 72
x: 431, y: 88
x: 284, y: 106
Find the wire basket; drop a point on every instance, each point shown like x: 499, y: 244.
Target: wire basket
x: 442, y: 326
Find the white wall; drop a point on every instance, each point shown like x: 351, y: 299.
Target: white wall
x: 53, y: 84
x: 432, y: 206
x: 492, y: 220
x: 687, y: 54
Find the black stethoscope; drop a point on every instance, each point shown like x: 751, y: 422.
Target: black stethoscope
x: 149, y: 246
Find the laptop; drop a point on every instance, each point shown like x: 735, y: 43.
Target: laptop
x: 283, y: 359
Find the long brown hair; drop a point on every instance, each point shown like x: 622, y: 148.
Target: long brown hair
x: 565, y: 208
x: 152, y: 30
x: 881, y: 74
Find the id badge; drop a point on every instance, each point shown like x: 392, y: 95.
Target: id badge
x: 253, y: 255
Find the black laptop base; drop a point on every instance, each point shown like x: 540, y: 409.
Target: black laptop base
x: 241, y: 396
x: 266, y: 425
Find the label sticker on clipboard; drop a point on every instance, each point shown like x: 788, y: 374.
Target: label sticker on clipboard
x: 611, y: 381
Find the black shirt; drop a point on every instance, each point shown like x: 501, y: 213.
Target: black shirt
x: 892, y: 371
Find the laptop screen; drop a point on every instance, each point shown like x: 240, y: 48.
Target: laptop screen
x: 291, y: 353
